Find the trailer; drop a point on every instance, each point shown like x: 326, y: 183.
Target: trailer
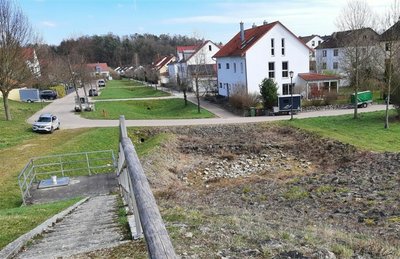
x: 285, y: 104
x: 363, y: 98
x: 29, y: 95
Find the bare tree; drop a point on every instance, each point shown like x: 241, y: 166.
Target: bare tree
x: 391, y: 48
x: 15, y: 34
x: 358, y: 41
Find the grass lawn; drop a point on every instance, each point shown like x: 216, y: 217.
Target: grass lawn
x: 147, y: 109
x: 366, y: 133
x: 120, y: 89
x: 18, y: 221
x: 17, y: 130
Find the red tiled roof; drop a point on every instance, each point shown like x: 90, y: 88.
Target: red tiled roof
x: 103, y: 66
x: 317, y: 77
x: 163, y: 61
x: 183, y: 48
x: 28, y: 53
x: 235, y: 47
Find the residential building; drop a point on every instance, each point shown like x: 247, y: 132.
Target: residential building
x: 312, y: 42
x: 161, y: 68
x: 32, y: 60
x: 195, y: 63
x: 99, y: 69
x: 267, y: 51
x: 334, y: 54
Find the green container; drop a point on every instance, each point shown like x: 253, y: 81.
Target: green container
x: 363, y: 98
x: 252, y: 111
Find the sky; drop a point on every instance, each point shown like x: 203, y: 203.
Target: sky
x: 216, y: 20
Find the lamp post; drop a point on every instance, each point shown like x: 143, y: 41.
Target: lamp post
x: 291, y: 94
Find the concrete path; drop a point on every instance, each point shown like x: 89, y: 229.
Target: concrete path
x: 93, y: 225
x: 63, y: 108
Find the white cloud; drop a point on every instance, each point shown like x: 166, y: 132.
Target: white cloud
x: 48, y: 24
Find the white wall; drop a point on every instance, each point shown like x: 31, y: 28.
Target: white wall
x: 204, y: 55
x: 258, y: 56
x: 236, y: 81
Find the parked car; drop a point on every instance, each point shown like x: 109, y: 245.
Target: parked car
x: 84, y: 103
x: 47, y: 122
x: 101, y: 83
x: 48, y: 94
x: 93, y: 92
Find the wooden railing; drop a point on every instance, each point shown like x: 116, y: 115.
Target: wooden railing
x: 140, y: 199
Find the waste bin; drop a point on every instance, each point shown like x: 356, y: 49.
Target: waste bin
x: 252, y: 111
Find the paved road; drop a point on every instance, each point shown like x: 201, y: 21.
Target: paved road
x: 69, y: 120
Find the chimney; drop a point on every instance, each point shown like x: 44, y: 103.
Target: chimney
x: 265, y: 22
x: 254, y: 25
x: 241, y: 32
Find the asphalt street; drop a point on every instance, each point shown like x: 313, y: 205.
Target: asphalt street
x: 64, y: 109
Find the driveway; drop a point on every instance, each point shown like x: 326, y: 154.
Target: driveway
x: 64, y: 109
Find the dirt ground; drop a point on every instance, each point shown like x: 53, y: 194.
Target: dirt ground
x: 258, y: 191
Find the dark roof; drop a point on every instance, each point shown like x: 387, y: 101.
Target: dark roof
x: 344, y: 38
x: 235, y: 47
x: 317, y: 77
x: 163, y: 61
x: 306, y: 39
x: 393, y: 33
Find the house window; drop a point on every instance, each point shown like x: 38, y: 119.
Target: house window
x: 319, y: 42
x: 227, y: 65
x: 283, y: 47
x: 286, y: 89
x: 241, y: 67
x: 324, y: 65
x: 272, y: 47
x: 219, y: 65
x: 387, y: 46
x: 234, y: 67
x: 209, y: 47
x: 285, y: 69
x: 324, y: 53
x: 336, y: 52
x: 335, y: 65
x: 271, y: 70
x: 313, y: 43
x: 220, y: 85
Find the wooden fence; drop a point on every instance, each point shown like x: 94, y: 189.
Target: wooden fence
x: 140, y: 199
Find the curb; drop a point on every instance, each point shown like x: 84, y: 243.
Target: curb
x: 14, y: 247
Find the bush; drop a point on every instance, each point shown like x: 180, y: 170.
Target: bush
x: 269, y: 93
x: 330, y: 98
x: 60, y: 89
x: 243, y: 100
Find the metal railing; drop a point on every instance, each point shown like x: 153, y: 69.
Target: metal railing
x: 140, y: 199
x: 73, y: 164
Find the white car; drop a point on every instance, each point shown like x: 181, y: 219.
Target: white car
x: 101, y: 83
x: 47, y: 122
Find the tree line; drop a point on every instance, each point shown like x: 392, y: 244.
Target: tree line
x: 135, y: 49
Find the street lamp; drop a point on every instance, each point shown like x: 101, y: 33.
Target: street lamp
x: 291, y: 94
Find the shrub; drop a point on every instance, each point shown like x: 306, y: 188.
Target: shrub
x: 330, y: 98
x: 60, y: 89
x: 243, y: 100
x: 269, y: 93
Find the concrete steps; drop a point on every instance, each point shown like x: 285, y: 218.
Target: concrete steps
x: 93, y: 225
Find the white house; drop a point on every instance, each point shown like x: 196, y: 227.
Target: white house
x: 266, y: 51
x: 313, y: 41
x: 195, y: 62
x: 332, y: 54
